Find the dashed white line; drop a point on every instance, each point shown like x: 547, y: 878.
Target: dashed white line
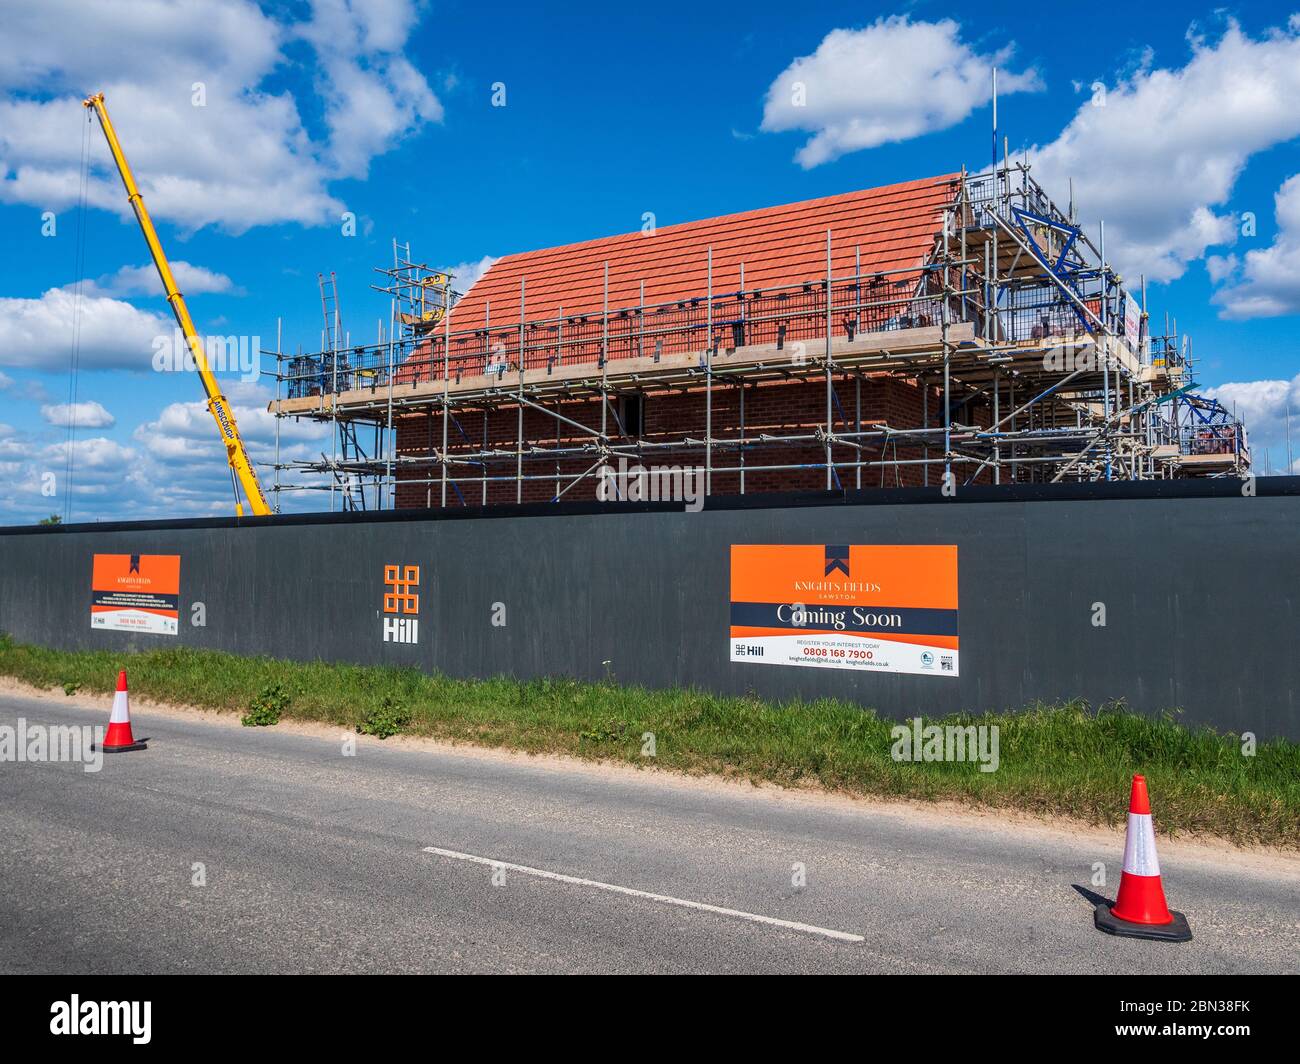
x: 663, y: 899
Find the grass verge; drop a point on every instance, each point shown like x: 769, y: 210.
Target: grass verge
x: 1065, y: 759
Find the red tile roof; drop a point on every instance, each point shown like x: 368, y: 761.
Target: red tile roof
x: 895, y: 227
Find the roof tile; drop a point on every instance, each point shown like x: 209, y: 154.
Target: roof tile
x: 894, y: 227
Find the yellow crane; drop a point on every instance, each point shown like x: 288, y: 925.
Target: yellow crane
x: 241, y: 465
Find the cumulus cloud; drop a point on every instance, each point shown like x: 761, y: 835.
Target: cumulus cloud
x: 182, y: 440
x: 144, y: 281
x: 171, y: 465
x: 246, y: 157
x: 110, y: 481
x: 891, y: 81
x: 373, y: 95
x: 34, y: 468
x: 1264, y: 283
x: 1157, y: 154
x: 38, y: 333
x: 467, y: 274
x: 87, y: 415
x: 182, y: 425
x: 1264, y: 407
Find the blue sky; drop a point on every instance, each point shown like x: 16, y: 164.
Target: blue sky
x: 386, y: 110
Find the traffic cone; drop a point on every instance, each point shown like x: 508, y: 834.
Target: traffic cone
x: 119, y: 738
x: 1140, y: 910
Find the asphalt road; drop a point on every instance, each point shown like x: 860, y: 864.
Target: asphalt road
x: 317, y: 862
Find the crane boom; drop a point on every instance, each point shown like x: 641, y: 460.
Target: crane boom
x: 236, y: 453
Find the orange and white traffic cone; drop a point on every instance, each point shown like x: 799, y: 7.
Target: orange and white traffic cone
x: 1140, y: 910
x: 119, y: 738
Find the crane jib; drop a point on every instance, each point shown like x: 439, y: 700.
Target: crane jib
x: 223, y: 420
x: 236, y: 453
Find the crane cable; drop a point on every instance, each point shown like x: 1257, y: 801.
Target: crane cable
x: 74, y: 358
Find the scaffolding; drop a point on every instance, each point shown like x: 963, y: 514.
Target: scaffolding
x: 1041, y: 362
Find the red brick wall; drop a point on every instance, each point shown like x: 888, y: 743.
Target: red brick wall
x: 776, y: 407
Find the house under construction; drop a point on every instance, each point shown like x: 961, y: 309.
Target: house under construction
x: 955, y: 330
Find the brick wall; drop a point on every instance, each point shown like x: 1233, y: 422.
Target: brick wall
x: 774, y: 407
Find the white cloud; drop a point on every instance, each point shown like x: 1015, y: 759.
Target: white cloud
x: 100, y: 468
x: 38, y: 333
x: 182, y: 443
x: 245, y: 158
x: 87, y: 415
x: 372, y: 94
x: 58, y: 38
x: 891, y: 81
x: 1221, y: 267
x: 6, y: 382
x: 172, y: 465
x: 144, y: 281
x: 181, y: 425
x: 467, y: 274
x: 1263, y: 406
x: 1159, y: 159
x: 1265, y: 282
x: 94, y: 455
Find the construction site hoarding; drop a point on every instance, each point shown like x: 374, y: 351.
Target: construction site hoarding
x: 1177, y: 597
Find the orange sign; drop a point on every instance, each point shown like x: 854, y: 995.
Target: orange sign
x: 136, y: 592
x: 887, y: 608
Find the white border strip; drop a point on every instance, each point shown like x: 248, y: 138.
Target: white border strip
x: 664, y: 899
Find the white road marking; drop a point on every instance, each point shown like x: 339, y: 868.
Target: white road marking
x: 664, y: 899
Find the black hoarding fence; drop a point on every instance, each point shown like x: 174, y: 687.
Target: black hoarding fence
x: 1168, y: 595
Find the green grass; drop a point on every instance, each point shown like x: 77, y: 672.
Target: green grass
x: 1055, y: 760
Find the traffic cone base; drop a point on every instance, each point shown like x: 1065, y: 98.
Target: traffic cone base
x: 1175, y: 931
x: 118, y: 739
x: 123, y: 748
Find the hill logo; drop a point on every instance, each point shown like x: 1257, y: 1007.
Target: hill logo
x: 401, y: 604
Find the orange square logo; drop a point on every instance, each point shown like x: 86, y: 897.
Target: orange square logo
x: 401, y: 594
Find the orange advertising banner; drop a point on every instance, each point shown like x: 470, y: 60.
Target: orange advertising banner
x: 136, y: 592
x: 883, y: 608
